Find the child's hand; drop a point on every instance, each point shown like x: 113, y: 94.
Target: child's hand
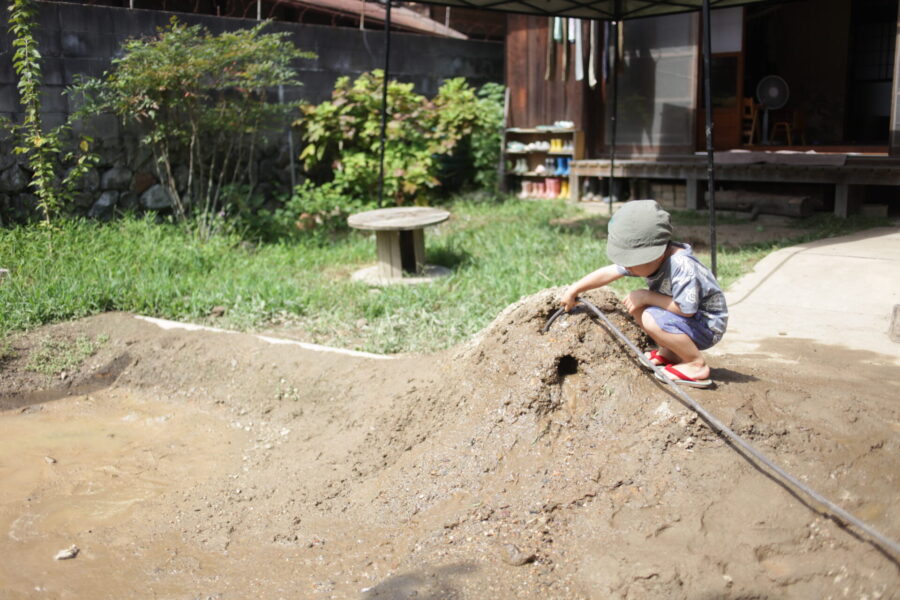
x: 635, y: 301
x: 569, y: 299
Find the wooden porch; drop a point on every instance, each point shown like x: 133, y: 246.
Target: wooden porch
x: 846, y: 172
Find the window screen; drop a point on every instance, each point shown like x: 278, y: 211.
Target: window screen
x: 657, y: 82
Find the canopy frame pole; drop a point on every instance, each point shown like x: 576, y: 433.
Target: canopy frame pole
x: 710, y: 154
x: 614, y: 37
x: 384, y: 100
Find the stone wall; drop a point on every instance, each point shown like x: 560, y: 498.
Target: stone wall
x: 77, y: 39
x: 125, y: 179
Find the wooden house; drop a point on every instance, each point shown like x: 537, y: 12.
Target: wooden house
x: 832, y: 132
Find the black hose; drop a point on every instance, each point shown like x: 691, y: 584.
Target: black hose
x: 722, y: 429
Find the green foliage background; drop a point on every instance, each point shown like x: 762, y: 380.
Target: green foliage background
x: 342, y: 145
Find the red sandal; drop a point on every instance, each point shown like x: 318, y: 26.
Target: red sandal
x: 683, y: 379
x: 663, y: 361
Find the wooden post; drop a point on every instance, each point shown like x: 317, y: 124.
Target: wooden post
x: 894, y: 133
x: 388, y: 250
x: 846, y: 198
x: 841, y: 199
x: 691, y: 194
x: 418, y: 236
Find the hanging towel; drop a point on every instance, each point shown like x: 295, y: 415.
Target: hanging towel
x: 592, y: 60
x: 551, y: 56
x: 579, y: 52
x: 620, y: 45
x: 604, y: 58
x: 572, y: 23
x: 557, y: 29
x: 565, y: 50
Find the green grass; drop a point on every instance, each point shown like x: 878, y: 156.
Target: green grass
x: 498, y: 253
x: 54, y: 356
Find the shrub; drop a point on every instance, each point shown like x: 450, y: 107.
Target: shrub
x: 199, y: 100
x: 55, y: 172
x: 342, y: 141
x: 312, y: 207
x: 344, y: 133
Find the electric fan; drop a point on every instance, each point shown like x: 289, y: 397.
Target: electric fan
x: 772, y: 92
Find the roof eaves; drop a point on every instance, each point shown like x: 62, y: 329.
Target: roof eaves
x: 400, y: 17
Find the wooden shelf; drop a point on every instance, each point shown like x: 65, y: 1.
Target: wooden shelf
x: 535, y: 130
x: 534, y: 158
x: 536, y: 174
x: 540, y: 152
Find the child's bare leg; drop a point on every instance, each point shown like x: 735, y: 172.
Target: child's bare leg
x: 677, y: 347
x: 662, y: 352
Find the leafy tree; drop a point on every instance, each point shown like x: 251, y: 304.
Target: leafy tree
x: 199, y: 100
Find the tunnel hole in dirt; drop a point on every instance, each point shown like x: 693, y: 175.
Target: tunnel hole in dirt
x: 566, y: 365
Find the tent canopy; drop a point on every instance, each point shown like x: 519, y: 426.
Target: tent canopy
x: 609, y: 10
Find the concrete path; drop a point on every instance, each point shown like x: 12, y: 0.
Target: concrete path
x: 838, y: 292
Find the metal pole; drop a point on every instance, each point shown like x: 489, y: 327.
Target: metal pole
x: 290, y: 140
x: 710, y: 157
x: 615, y: 111
x: 501, y: 164
x: 259, y: 10
x: 384, y: 106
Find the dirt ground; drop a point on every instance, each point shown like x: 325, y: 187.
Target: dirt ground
x: 195, y: 464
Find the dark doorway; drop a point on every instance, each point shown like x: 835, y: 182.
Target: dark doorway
x: 872, y: 41
x: 837, y: 58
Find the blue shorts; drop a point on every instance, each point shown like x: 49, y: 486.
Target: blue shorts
x: 694, y: 327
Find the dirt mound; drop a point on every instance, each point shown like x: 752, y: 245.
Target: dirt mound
x: 519, y: 464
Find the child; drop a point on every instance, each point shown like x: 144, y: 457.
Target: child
x: 683, y: 310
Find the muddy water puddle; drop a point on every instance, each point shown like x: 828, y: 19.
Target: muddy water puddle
x: 101, y: 472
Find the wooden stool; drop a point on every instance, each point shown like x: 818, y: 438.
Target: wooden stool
x: 399, y: 237
x: 793, y: 126
x: 782, y: 126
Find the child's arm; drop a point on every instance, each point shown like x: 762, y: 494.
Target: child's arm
x: 640, y: 298
x: 598, y: 278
